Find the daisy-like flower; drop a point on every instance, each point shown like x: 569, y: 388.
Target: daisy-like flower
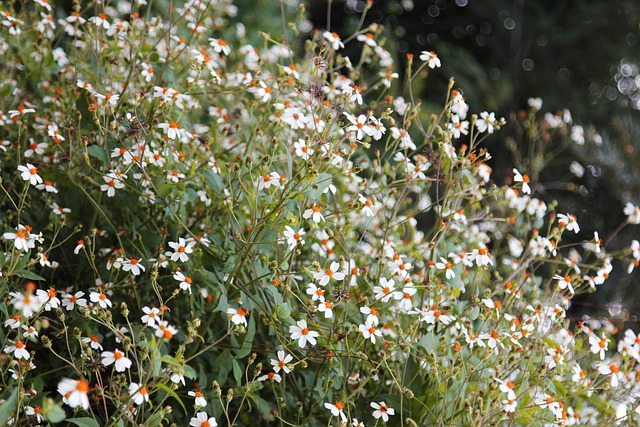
x: 172, y: 130
x: 238, y: 316
x: 23, y: 240
x: 220, y: 46
x: 317, y: 294
x: 203, y: 420
x: 326, y: 307
x: 509, y: 405
x: 282, y: 362
x: 371, y: 313
x: 367, y: 39
x: 370, y: 332
x: 201, y: 400
x: 19, y: 350
x: 151, y: 316
x: 268, y: 181
x: 381, y: 410
x: 112, y: 183
x: 481, y: 256
x: 74, y: 392
x: 108, y: 98
x: 569, y: 221
x: 293, y: 238
x: 301, y: 333
x: 29, y: 173
x: 21, y: 111
x: 333, y: 39
x: 181, y: 250
x: 330, y: 273
x: 367, y: 205
x: 632, y: 212
x: 26, y: 302
x: 139, y: 393
x: 315, y: 213
x: 353, y: 92
x: 133, y: 265
x: 185, y: 281
x: 165, y: 330
x: 599, y: 345
x: 564, y: 282
x: 359, y: 125
x: 431, y: 58
x: 101, y: 299
x: 270, y: 376
x: 118, y: 358
x: 385, y: 290
x: 93, y: 341
x: 337, y: 409
x: 486, y: 122
x: 524, y: 179
x: 49, y: 298
x: 446, y: 265
x: 302, y: 150
x: 611, y: 369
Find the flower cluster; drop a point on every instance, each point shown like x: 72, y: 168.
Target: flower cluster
x: 229, y: 229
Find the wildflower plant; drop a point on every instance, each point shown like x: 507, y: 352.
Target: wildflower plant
x: 201, y: 225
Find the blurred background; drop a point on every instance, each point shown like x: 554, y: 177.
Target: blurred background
x: 579, y: 55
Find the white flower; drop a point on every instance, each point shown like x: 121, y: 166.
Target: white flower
x: 330, y: 273
x: 633, y: 213
x: 238, y: 316
x: 19, y: 350
x: 486, y: 122
x: 386, y: 290
x: 370, y: 332
x: 181, y: 250
x: 569, y: 221
x: 151, y: 315
x: 564, y: 282
x: 333, y: 39
x: 293, y: 238
x: 122, y: 362
x: 139, y: 393
x: 315, y: 213
x: 381, y: 410
x: 446, y: 265
x: 282, y: 363
x: 112, y: 183
x: 185, y: 281
x: 524, y: 179
x: 101, y: 299
x: 431, y: 58
x: 202, y: 420
x: 30, y: 173
x: 133, y: 265
x: 337, y: 409
x: 301, y: 333
x: 200, y: 398
x: 74, y: 392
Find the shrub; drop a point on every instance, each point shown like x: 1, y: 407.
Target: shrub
x: 199, y: 228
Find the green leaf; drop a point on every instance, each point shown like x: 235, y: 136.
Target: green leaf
x: 29, y: 275
x: 145, y: 48
x: 84, y: 422
x: 261, y: 404
x: 318, y: 186
x: 98, y: 153
x: 172, y: 394
x: 8, y: 407
x: 283, y: 311
x: 214, y: 181
x: 154, y: 57
x: 52, y: 411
